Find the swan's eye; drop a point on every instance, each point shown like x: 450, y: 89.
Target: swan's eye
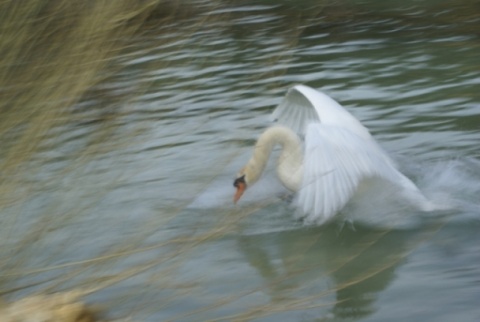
x: 239, y: 180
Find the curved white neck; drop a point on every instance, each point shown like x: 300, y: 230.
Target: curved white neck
x: 290, y: 161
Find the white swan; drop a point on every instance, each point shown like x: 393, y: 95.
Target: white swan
x: 338, y: 153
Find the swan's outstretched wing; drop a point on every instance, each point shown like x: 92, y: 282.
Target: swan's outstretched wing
x: 303, y: 105
x: 336, y: 160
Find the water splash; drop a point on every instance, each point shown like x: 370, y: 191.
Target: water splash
x: 454, y: 184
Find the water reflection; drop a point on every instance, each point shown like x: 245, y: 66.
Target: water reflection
x: 312, y: 267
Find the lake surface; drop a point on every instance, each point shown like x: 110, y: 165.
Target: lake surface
x: 153, y: 201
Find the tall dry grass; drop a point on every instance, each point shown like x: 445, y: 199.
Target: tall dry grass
x: 52, y: 54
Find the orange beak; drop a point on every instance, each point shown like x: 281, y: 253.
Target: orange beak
x: 241, y: 186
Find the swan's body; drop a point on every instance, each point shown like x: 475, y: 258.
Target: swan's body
x: 337, y: 155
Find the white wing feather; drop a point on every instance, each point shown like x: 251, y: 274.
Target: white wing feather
x: 336, y: 161
x: 303, y: 105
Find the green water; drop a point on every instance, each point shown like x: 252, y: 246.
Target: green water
x: 409, y: 71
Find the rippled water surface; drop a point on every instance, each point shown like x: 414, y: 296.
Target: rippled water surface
x: 409, y: 71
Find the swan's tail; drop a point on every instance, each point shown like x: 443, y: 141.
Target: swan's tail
x: 428, y: 204
x: 421, y: 202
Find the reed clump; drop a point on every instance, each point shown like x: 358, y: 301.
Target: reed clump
x: 52, y: 53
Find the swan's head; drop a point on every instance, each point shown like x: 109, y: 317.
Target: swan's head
x: 245, y: 178
x: 241, y: 185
